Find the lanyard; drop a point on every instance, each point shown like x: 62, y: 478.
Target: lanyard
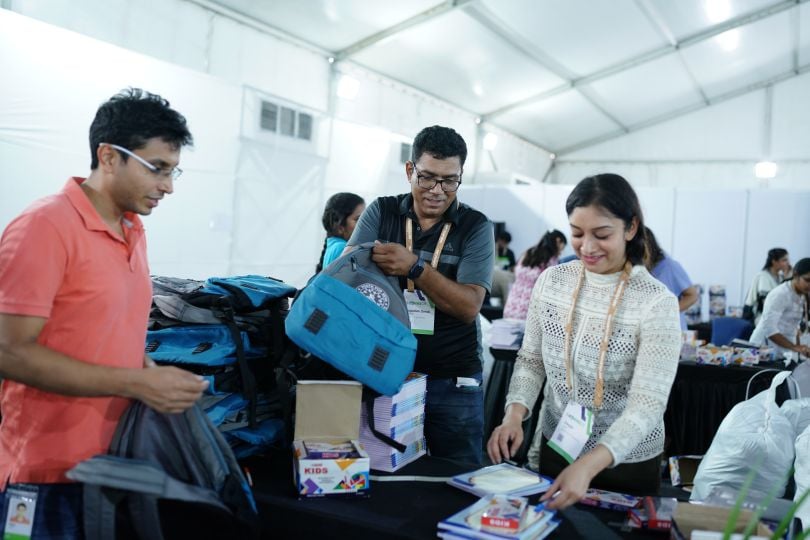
x: 439, y: 245
x: 603, y: 346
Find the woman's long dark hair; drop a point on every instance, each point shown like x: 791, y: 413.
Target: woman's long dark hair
x: 654, y: 252
x: 774, y: 255
x: 339, y: 207
x: 544, y: 251
x: 614, y: 194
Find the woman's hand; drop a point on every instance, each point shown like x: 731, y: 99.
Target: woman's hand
x: 507, y: 438
x: 571, y: 484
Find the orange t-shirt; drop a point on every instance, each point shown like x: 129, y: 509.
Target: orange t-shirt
x: 60, y: 261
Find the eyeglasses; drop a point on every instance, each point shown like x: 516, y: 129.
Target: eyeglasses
x: 428, y: 181
x: 174, y: 173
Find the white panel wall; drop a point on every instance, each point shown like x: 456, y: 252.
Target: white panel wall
x: 710, y: 232
x: 59, y: 79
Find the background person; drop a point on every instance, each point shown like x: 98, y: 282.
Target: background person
x: 785, y: 313
x: 670, y: 272
x: 602, y: 339
x: 339, y: 218
x: 505, y: 257
x: 775, y: 271
x: 532, y: 263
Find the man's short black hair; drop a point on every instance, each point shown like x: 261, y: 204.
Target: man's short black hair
x: 132, y: 117
x: 441, y: 143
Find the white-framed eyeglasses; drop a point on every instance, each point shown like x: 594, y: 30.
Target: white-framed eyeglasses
x: 174, y: 173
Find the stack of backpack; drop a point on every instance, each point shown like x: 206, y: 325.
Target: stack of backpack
x: 230, y: 331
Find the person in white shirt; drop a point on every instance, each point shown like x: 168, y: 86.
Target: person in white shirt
x: 604, y: 337
x: 785, y: 313
x: 776, y: 269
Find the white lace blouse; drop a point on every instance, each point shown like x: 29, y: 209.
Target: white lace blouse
x: 640, y: 365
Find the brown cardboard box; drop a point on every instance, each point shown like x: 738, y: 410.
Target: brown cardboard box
x: 691, y: 518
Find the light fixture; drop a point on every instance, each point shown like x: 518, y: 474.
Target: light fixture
x: 348, y: 87
x: 490, y: 141
x: 729, y: 41
x: 477, y: 120
x: 765, y: 170
x: 717, y: 11
x: 331, y: 59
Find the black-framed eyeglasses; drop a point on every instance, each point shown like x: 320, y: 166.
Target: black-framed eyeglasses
x: 173, y: 173
x: 428, y: 181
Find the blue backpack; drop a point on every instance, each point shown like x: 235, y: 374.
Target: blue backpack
x: 229, y: 330
x: 355, y: 318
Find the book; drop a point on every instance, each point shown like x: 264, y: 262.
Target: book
x: 610, y: 500
x: 535, y: 521
x: 330, y: 450
x: 502, y: 479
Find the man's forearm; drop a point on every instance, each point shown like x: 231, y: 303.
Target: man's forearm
x: 457, y: 299
x: 43, y: 368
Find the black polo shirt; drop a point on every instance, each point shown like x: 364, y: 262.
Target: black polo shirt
x: 468, y: 257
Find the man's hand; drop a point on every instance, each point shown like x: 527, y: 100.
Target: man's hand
x: 148, y: 362
x: 393, y: 259
x: 167, y: 389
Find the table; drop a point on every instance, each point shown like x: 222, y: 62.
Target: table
x: 406, y: 510
x: 495, y: 399
x: 701, y: 397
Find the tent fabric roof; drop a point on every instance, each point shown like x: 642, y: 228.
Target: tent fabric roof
x: 563, y: 75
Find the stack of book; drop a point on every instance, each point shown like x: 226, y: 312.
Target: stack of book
x: 497, y: 517
x: 401, y: 417
x: 501, y: 479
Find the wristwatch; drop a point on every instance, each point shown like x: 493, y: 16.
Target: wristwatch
x: 416, y: 270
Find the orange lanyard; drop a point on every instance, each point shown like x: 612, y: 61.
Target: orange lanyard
x: 436, y: 252
x: 603, y: 346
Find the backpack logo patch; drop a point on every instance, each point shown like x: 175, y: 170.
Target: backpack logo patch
x: 375, y: 293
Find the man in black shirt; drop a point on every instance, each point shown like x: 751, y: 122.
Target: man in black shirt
x: 443, y: 252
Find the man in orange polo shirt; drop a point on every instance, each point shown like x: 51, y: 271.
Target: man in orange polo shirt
x: 75, y: 295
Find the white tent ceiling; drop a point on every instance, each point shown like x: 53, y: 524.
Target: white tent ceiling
x: 562, y: 74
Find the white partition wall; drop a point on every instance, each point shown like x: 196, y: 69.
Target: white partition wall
x: 720, y: 237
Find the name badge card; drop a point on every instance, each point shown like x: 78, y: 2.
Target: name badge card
x: 22, y: 502
x: 573, y: 431
x: 421, y: 311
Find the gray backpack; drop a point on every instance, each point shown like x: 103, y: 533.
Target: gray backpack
x: 166, y: 476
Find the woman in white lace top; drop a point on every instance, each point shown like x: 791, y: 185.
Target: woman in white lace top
x: 603, y: 336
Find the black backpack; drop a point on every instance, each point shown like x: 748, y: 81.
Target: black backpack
x: 166, y: 476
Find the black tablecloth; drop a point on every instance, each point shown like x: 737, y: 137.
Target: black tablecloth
x: 702, y: 396
x: 495, y: 399
x: 395, y: 510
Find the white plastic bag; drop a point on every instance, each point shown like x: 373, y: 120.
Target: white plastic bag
x: 802, y: 476
x: 798, y: 412
x: 755, y: 433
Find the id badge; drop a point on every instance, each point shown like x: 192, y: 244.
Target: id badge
x: 421, y: 311
x: 22, y: 503
x: 573, y: 431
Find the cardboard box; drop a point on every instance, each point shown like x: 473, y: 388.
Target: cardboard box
x: 700, y: 521
x: 328, y: 412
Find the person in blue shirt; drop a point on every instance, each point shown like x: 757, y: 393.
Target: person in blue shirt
x: 670, y: 272
x: 339, y: 219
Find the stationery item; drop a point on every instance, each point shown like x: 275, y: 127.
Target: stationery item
x: 535, y: 522
x: 502, y: 479
x: 610, y: 500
